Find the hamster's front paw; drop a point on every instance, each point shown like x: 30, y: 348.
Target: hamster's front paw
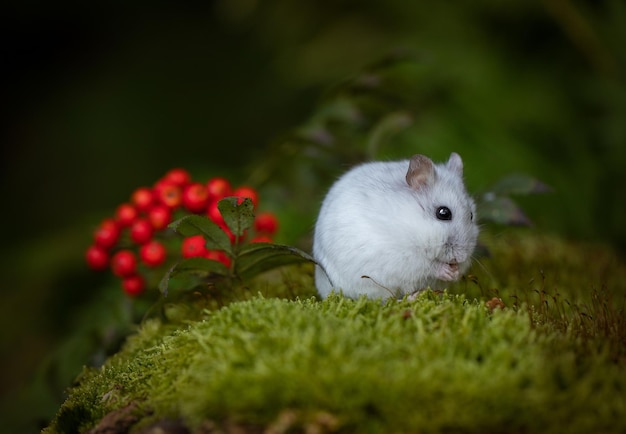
x: 448, y: 272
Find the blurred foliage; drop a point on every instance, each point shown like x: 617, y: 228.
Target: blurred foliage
x: 495, y: 204
x: 105, y: 97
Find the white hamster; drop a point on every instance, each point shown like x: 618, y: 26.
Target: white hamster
x: 388, y: 229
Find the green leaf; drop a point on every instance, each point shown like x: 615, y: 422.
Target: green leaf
x: 518, y: 184
x: 257, y: 258
x: 216, y: 238
x: 502, y: 210
x: 194, y: 267
x: 238, y: 217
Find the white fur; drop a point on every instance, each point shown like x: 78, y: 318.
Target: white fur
x: 372, y: 223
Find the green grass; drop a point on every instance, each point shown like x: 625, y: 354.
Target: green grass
x: 551, y: 361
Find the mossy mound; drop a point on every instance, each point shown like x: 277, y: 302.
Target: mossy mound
x: 439, y: 363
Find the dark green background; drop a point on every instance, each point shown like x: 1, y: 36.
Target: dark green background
x: 103, y: 97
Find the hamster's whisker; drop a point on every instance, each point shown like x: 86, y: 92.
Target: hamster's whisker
x: 482, y: 266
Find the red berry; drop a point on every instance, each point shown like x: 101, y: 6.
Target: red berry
x: 195, y: 197
x: 214, y: 214
x: 124, y: 263
x: 159, y: 216
x: 218, y: 188
x: 153, y: 253
x: 194, y: 246
x: 266, y: 223
x: 142, y: 198
x: 133, y: 285
x: 168, y: 194
x: 248, y: 192
x: 178, y: 177
x: 126, y: 214
x: 97, y: 258
x: 219, y: 256
x: 261, y: 239
x: 141, y: 231
x: 107, y: 234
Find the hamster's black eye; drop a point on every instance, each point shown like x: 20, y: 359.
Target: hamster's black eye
x: 443, y: 213
x: 471, y: 216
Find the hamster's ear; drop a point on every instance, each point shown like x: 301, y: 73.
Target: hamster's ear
x: 421, y: 173
x: 455, y: 163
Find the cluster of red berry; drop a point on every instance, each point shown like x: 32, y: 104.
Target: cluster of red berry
x: 133, y: 237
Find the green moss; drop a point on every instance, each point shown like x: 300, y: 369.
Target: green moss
x: 439, y: 363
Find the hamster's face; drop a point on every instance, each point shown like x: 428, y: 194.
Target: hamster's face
x: 451, y: 215
x: 457, y: 220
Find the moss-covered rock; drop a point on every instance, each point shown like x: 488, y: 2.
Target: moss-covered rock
x: 552, y: 360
